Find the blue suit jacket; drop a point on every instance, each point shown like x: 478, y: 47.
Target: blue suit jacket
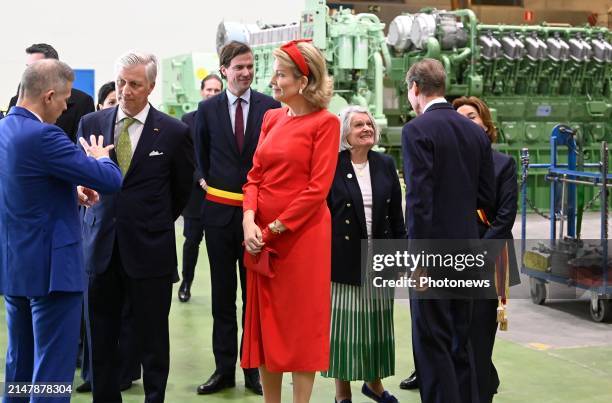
x: 154, y: 192
x: 448, y: 170
x: 40, y: 233
x: 222, y: 166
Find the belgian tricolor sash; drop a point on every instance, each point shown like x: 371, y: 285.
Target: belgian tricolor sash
x: 502, y: 277
x: 224, y: 197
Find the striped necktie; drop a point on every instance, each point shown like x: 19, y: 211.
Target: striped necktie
x: 124, y: 146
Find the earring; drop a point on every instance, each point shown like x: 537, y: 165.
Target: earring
x: 300, y: 91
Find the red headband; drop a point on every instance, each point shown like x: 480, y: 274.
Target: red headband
x: 291, y: 49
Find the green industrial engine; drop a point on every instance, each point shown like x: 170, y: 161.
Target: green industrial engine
x: 532, y: 76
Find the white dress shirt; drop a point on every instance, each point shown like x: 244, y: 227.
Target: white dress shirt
x: 439, y: 100
x: 135, y: 130
x: 365, y: 185
x: 36, y: 114
x: 231, y: 103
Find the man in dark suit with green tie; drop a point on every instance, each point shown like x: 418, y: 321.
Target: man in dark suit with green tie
x: 129, y: 240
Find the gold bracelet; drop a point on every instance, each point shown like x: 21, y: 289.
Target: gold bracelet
x: 274, y: 227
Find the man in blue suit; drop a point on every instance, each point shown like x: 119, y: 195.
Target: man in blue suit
x: 227, y: 132
x: 130, y: 246
x: 41, y: 260
x: 449, y: 174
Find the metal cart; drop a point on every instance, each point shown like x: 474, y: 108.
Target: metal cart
x: 563, y: 180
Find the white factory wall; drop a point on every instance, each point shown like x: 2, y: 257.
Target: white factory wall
x: 90, y: 35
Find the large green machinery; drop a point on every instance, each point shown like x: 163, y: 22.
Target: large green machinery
x: 533, y: 77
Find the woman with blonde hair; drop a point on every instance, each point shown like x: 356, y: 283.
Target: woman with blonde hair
x: 287, y: 227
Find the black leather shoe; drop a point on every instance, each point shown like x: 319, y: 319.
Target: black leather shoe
x: 385, y: 397
x: 84, y: 387
x: 125, y: 385
x: 251, y: 381
x: 184, y: 292
x: 216, y: 383
x: 411, y: 382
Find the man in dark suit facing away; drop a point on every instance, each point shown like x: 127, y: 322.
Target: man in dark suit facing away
x: 79, y: 103
x: 41, y: 260
x: 193, y: 229
x: 449, y: 174
x: 129, y: 241
x: 227, y: 132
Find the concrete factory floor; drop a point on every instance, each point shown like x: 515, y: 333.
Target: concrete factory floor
x: 551, y: 353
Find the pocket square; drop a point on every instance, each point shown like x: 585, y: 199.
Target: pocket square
x: 155, y: 153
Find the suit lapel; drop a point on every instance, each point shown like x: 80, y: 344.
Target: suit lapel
x: 249, y: 134
x: 150, y: 130
x: 108, y: 130
x: 226, y: 122
x: 350, y: 180
x: 378, y: 197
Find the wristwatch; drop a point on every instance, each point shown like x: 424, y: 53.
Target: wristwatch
x: 274, y: 227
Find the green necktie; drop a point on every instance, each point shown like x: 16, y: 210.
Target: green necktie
x: 124, y: 146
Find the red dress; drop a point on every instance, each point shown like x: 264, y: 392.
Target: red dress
x: 287, y: 317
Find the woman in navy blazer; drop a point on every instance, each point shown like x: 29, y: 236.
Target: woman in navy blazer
x: 365, y: 202
x: 497, y: 223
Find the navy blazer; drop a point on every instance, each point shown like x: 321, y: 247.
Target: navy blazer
x: 40, y: 232
x: 222, y: 166
x: 194, y: 206
x: 155, y: 190
x: 348, y: 215
x: 448, y: 170
x: 503, y: 214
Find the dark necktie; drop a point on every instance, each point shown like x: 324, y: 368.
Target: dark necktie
x: 239, y: 125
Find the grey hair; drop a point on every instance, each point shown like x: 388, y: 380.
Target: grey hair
x: 44, y: 75
x: 345, y: 125
x: 429, y: 75
x: 135, y: 58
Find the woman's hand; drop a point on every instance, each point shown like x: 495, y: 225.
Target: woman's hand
x: 253, y: 240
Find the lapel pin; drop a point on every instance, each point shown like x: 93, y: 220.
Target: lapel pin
x: 349, y: 176
x: 156, y: 129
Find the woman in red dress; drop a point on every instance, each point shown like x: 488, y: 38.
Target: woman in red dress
x: 288, y: 313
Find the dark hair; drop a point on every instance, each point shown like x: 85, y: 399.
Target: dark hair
x: 104, y: 91
x: 230, y: 51
x: 483, y: 112
x: 429, y: 75
x: 211, y: 76
x: 45, y: 49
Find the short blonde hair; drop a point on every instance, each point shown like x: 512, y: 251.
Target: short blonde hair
x: 319, y: 90
x: 345, y: 125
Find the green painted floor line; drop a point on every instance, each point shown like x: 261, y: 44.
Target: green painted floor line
x: 527, y: 375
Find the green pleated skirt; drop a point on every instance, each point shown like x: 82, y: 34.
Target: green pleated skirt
x: 362, y: 345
